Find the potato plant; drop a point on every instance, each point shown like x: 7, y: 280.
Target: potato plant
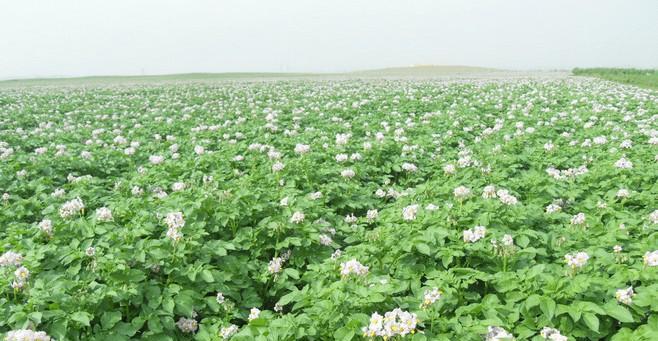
x: 502, y: 209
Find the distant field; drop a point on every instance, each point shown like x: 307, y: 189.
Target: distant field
x: 638, y: 77
x: 96, y: 80
x: 423, y: 71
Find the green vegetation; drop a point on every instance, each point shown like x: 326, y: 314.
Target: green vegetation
x: 374, y: 210
x: 642, y: 78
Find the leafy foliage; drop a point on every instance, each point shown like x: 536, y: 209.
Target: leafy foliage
x: 375, y: 177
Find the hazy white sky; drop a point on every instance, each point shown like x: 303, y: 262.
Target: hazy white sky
x: 93, y: 37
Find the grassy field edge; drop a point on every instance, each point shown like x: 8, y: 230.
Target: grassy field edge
x: 645, y: 78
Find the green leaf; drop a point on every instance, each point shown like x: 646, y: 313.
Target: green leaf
x: 523, y: 332
x: 532, y: 301
x: 561, y: 309
x: 126, y: 329
x: 259, y: 322
x: 292, y: 273
x: 153, y: 296
x: 344, y: 334
x: 168, y: 305
x: 58, y: 329
x: 547, y: 306
x: 591, y: 307
x: 35, y: 317
x: 446, y: 260
x: 591, y: 321
x: 82, y: 317
x: 423, y: 248
x: 74, y: 269
x: 154, y: 324
x: 522, y: 241
x: 290, y: 297
x: 376, y: 297
x: 419, y: 337
x: 575, y: 313
x: 184, y: 305
x: 206, y: 275
x: 618, y: 312
x: 110, y: 318
x: 18, y: 318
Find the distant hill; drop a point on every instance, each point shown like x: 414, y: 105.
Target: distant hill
x: 423, y: 71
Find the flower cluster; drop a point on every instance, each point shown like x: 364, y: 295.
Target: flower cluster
x: 474, y: 234
x: 653, y: 217
x: 577, y: 260
x: 11, y: 258
x: 27, y: 335
x: 498, y: 334
x: 275, y: 265
x: 325, y: 240
x: 505, y: 246
x: 409, y: 212
x: 353, y: 267
x: 372, y: 215
x: 578, y: 219
x: 46, y: 226
x: 430, y: 297
x: 254, y: 313
x: 506, y: 198
x: 187, y: 325
x: 461, y: 192
x: 227, y: 332
x: 625, y: 296
x: 489, y: 192
x: 552, y: 334
x: 174, y: 222
x: 624, y: 163
x: 302, y: 149
x: 348, y: 173
x: 651, y: 258
x: 297, y: 217
x: 394, y: 323
x: 22, y: 274
x: 103, y: 214
x: 71, y: 208
x: 565, y: 174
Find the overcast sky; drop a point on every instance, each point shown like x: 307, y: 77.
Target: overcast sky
x: 121, y: 37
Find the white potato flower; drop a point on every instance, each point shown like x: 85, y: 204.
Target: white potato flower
x: 651, y: 258
x: 461, y: 192
x: 11, y: 258
x: 409, y: 212
x: 27, y: 335
x: 498, y: 334
x: 227, y: 332
x: 297, y: 217
x: 577, y: 260
x: 353, y: 267
x: 625, y: 296
x: 552, y: 334
x: 254, y: 313
x: 103, y: 214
